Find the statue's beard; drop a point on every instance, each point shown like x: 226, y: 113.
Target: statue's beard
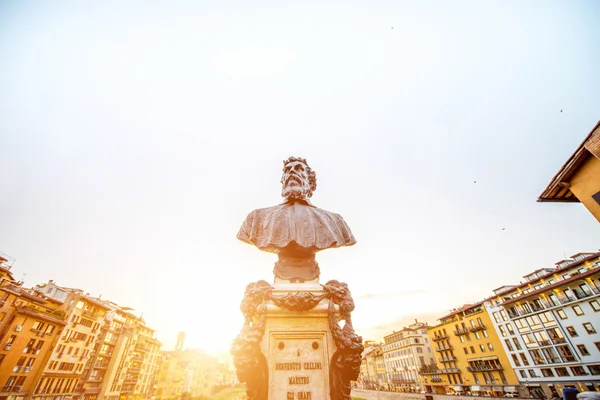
x: 294, y: 192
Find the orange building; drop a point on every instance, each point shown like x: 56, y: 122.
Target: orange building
x: 30, y: 327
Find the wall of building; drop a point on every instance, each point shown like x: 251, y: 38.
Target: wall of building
x: 381, y: 395
x: 586, y: 183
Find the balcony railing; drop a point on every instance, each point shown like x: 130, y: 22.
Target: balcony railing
x: 12, y: 388
x: 476, y: 328
x: 476, y: 368
x: 460, y: 332
x: 443, y: 347
x: 430, y: 371
x: 447, y: 359
x: 450, y: 371
x: 436, y: 379
x: 439, y: 337
x: 101, y: 365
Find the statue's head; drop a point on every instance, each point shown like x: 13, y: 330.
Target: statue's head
x: 298, y: 181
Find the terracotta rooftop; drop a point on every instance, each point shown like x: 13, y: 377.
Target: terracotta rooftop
x: 558, y: 188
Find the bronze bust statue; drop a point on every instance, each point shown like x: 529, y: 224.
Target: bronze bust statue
x: 296, y: 230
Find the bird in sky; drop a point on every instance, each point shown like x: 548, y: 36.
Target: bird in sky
x: 561, y: 110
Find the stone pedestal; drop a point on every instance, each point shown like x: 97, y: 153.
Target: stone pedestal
x: 292, y: 345
x: 298, y: 346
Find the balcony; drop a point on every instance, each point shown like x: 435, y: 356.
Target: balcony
x: 92, y: 390
x: 101, y: 365
x: 447, y: 359
x: 485, y: 367
x: 141, y: 347
x: 12, y: 389
x: 135, y: 370
x: 460, y: 332
x: 477, y: 328
x: 443, y: 347
x: 559, y: 340
x: 436, y: 338
x: 436, y: 379
x: 95, y: 379
x: 138, y: 358
x: 450, y: 371
x: 429, y: 370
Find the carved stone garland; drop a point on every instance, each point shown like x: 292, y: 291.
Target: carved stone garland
x: 251, y: 364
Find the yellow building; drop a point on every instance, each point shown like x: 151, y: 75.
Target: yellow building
x: 578, y: 180
x: 30, y: 326
x: 469, y: 354
x: 185, y: 374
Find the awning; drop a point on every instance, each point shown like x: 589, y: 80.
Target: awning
x: 475, y: 388
x: 497, y: 388
x: 458, y: 388
x: 510, y: 389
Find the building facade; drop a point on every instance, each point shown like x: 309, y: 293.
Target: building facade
x: 550, y: 325
x: 30, y: 328
x: 406, y: 352
x: 469, y: 355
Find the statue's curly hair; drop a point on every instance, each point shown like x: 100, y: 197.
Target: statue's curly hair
x: 312, y: 175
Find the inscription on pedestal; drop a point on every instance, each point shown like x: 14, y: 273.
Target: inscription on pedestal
x: 299, y: 370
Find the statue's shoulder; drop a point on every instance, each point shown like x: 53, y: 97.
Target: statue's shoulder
x: 259, y: 212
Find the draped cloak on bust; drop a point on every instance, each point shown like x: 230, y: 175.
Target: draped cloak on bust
x: 274, y: 228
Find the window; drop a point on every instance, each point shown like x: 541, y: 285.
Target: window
x: 551, y: 355
x: 578, y: 371
x: 490, y: 347
x: 594, y: 304
x: 508, y: 345
x: 466, y: 350
x: 597, y: 345
x: 524, y: 359
x: 572, y: 331
x: 565, y: 353
x: 496, y: 317
x: 577, y: 310
x: 547, y: 372
x: 485, y: 334
x: 523, y: 374
x: 472, y: 350
x: 510, y: 329
x: 504, y: 316
x: 589, y: 328
x: 537, y: 356
x: 502, y: 331
x: 561, y: 314
x: 562, y: 371
x: 516, y: 360
x: 583, y: 350
x: 477, y: 335
x: 462, y: 339
x: 517, y: 343
x: 532, y: 373
x: 594, y: 369
x: 482, y: 348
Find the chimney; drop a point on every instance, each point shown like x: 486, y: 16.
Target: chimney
x: 180, y: 341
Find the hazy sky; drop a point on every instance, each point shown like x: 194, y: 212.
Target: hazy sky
x: 136, y: 136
